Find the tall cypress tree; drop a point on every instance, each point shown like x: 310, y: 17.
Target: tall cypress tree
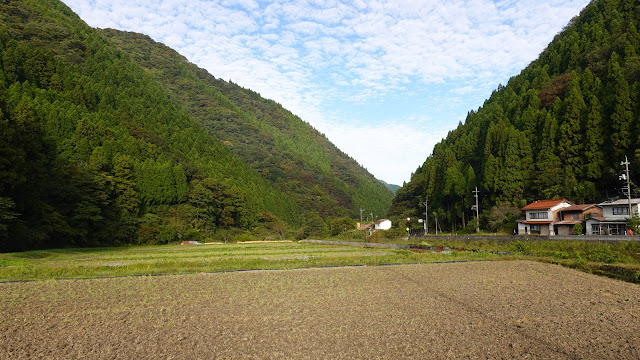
x: 571, y: 144
x: 621, y: 110
x: 548, y: 166
x: 127, y: 201
x: 517, y: 165
x: 594, y: 156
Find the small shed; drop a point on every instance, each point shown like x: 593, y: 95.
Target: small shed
x: 382, y: 224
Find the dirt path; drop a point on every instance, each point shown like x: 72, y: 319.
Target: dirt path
x: 459, y: 310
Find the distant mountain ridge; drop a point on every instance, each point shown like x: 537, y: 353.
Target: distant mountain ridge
x: 559, y: 129
x: 99, y: 150
x: 392, y: 187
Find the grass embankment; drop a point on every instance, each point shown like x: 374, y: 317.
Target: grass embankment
x: 177, y: 259
x: 619, y: 260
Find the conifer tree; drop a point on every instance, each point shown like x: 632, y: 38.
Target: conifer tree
x: 621, y: 109
x: 549, y: 170
x: 570, y: 146
x: 126, y: 199
x: 517, y: 166
x: 594, y: 140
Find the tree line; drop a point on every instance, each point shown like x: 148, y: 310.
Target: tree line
x: 96, y: 152
x: 559, y: 129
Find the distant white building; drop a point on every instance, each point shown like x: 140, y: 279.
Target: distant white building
x: 382, y: 224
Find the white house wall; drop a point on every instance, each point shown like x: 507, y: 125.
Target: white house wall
x: 607, y: 212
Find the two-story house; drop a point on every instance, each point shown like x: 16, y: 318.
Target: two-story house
x: 541, y: 217
x: 576, y: 214
x: 614, y: 217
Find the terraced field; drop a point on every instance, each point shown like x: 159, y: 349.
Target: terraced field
x: 502, y: 309
x: 178, y: 259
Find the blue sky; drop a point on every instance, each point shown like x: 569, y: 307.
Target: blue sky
x: 383, y: 80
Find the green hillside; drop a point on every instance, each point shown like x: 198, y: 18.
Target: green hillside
x: 558, y: 129
x: 285, y: 150
x: 94, y: 150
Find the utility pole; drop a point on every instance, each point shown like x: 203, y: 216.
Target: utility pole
x: 435, y: 215
x: 476, y: 208
x: 626, y: 163
x: 426, y: 216
x: 361, y: 210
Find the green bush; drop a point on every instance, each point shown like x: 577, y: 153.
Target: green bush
x: 395, y: 233
x: 578, y: 229
x: 603, y: 254
x: 166, y: 234
x: 521, y: 247
x: 243, y: 237
x: 561, y: 255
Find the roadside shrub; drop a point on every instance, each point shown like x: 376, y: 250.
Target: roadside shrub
x: 376, y: 237
x: 166, y: 234
x: 190, y: 235
x: 580, y: 262
x: 353, y: 235
x: 302, y: 233
x: 147, y: 234
x: 394, y: 233
x: 561, y: 255
x: 603, y: 254
x: 244, y: 237
x: 503, y: 218
x: 520, y: 247
x: 578, y: 229
x: 227, y: 235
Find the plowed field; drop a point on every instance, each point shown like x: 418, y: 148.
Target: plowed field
x: 459, y: 310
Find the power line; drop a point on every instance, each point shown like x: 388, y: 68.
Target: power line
x: 476, y: 208
x: 426, y: 215
x: 626, y: 163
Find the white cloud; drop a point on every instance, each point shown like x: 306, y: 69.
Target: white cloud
x: 310, y: 54
x: 385, y: 149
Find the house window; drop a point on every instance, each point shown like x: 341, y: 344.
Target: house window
x: 621, y: 210
x: 595, y: 228
x: 538, y: 215
x: 535, y: 228
x: 575, y: 216
x: 616, y: 229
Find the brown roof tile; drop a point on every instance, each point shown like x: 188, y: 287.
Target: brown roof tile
x: 581, y: 207
x: 544, y: 204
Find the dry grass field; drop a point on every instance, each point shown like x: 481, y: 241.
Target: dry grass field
x: 458, y: 310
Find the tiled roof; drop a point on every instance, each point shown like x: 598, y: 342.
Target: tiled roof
x: 599, y: 218
x: 582, y: 207
x: 568, y: 222
x: 620, y: 202
x: 544, y: 204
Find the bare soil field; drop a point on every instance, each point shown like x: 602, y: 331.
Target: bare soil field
x: 457, y: 310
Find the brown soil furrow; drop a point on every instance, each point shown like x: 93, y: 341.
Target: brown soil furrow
x: 458, y: 310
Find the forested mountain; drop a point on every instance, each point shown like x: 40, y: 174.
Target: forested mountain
x: 285, y: 150
x: 559, y: 129
x: 394, y: 188
x: 97, y: 150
